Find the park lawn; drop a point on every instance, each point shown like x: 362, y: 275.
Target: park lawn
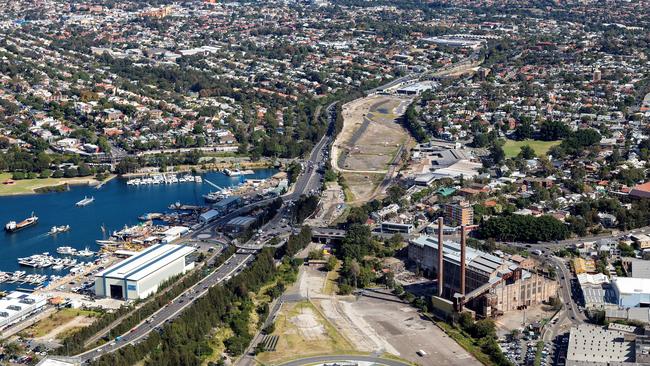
x: 292, y: 344
x: 513, y: 147
x: 27, y: 186
x: 60, y: 318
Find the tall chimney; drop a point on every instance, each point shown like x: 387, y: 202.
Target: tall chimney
x: 463, y: 244
x: 440, y: 261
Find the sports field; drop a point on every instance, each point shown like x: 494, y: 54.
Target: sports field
x: 28, y: 186
x: 513, y: 147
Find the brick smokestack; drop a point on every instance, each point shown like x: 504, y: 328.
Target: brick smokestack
x: 440, y: 261
x: 463, y: 244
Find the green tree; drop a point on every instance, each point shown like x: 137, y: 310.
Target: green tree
x: 70, y: 173
x: 527, y: 152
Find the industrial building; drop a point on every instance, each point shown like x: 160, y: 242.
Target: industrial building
x: 227, y: 204
x: 396, y: 227
x: 240, y: 224
x: 632, y: 292
x: 618, y: 344
x: 209, y: 216
x: 454, y: 42
x: 173, y: 233
x: 486, y: 283
x: 17, y: 306
x: 596, y: 290
x: 637, y: 268
x: 140, y: 275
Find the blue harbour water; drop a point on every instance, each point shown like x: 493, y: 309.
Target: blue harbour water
x: 116, y: 204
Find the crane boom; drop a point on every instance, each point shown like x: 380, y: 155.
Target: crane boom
x: 214, y: 185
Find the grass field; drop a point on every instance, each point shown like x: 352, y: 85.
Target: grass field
x: 513, y: 147
x: 27, y: 186
x: 331, y: 281
x: 293, y: 341
x: 59, y: 319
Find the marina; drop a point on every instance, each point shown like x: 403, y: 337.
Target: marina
x: 116, y: 204
x: 165, y: 179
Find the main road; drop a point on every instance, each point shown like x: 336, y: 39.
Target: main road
x: 345, y: 359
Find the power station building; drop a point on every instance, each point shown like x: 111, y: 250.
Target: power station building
x: 486, y: 283
x: 140, y: 275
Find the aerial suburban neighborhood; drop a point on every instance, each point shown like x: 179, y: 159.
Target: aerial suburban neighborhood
x: 325, y: 182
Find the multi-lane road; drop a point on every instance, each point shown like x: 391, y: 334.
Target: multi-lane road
x: 231, y: 267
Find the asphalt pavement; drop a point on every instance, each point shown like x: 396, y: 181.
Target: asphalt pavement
x: 349, y: 358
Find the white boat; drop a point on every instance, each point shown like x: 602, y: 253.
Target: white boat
x: 237, y: 172
x: 198, y: 179
x: 66, y: 250
x: 57, y: 267
x: 59, y: 229
x: 37, y: 260
x: 232, y: 173
x: 85, y: 253
x: 85, y: 202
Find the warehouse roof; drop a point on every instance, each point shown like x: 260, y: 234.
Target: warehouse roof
x: 640, y: 267
x: 475, y: 259
x: 16, y: 302
x: 241, y: 220
x: 631, y: 285
x: 146, y: 262
x: 588, y: 343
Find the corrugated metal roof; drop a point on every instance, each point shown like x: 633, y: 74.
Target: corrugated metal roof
x: 146, y: 262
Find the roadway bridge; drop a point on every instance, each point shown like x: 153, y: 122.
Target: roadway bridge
x: 327, y: 235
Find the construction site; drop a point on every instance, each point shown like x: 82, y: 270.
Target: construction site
x: 368, y: 150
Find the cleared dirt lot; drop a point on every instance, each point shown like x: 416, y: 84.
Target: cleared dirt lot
x: 303, y: 331
x: 362, y: 186
x: 331, y: 206
x: 402, y: 332
x: 59, y: 324
x: 369, y: 142
x: 381, y: 324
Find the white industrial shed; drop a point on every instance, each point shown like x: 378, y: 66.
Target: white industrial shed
x: 17, y: 306
x: 140, y: 275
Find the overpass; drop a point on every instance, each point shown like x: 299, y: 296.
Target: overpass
x: 326, y: 235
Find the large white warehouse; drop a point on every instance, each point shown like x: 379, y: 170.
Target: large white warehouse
x: 17, y: 306
x: 139, y: 276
